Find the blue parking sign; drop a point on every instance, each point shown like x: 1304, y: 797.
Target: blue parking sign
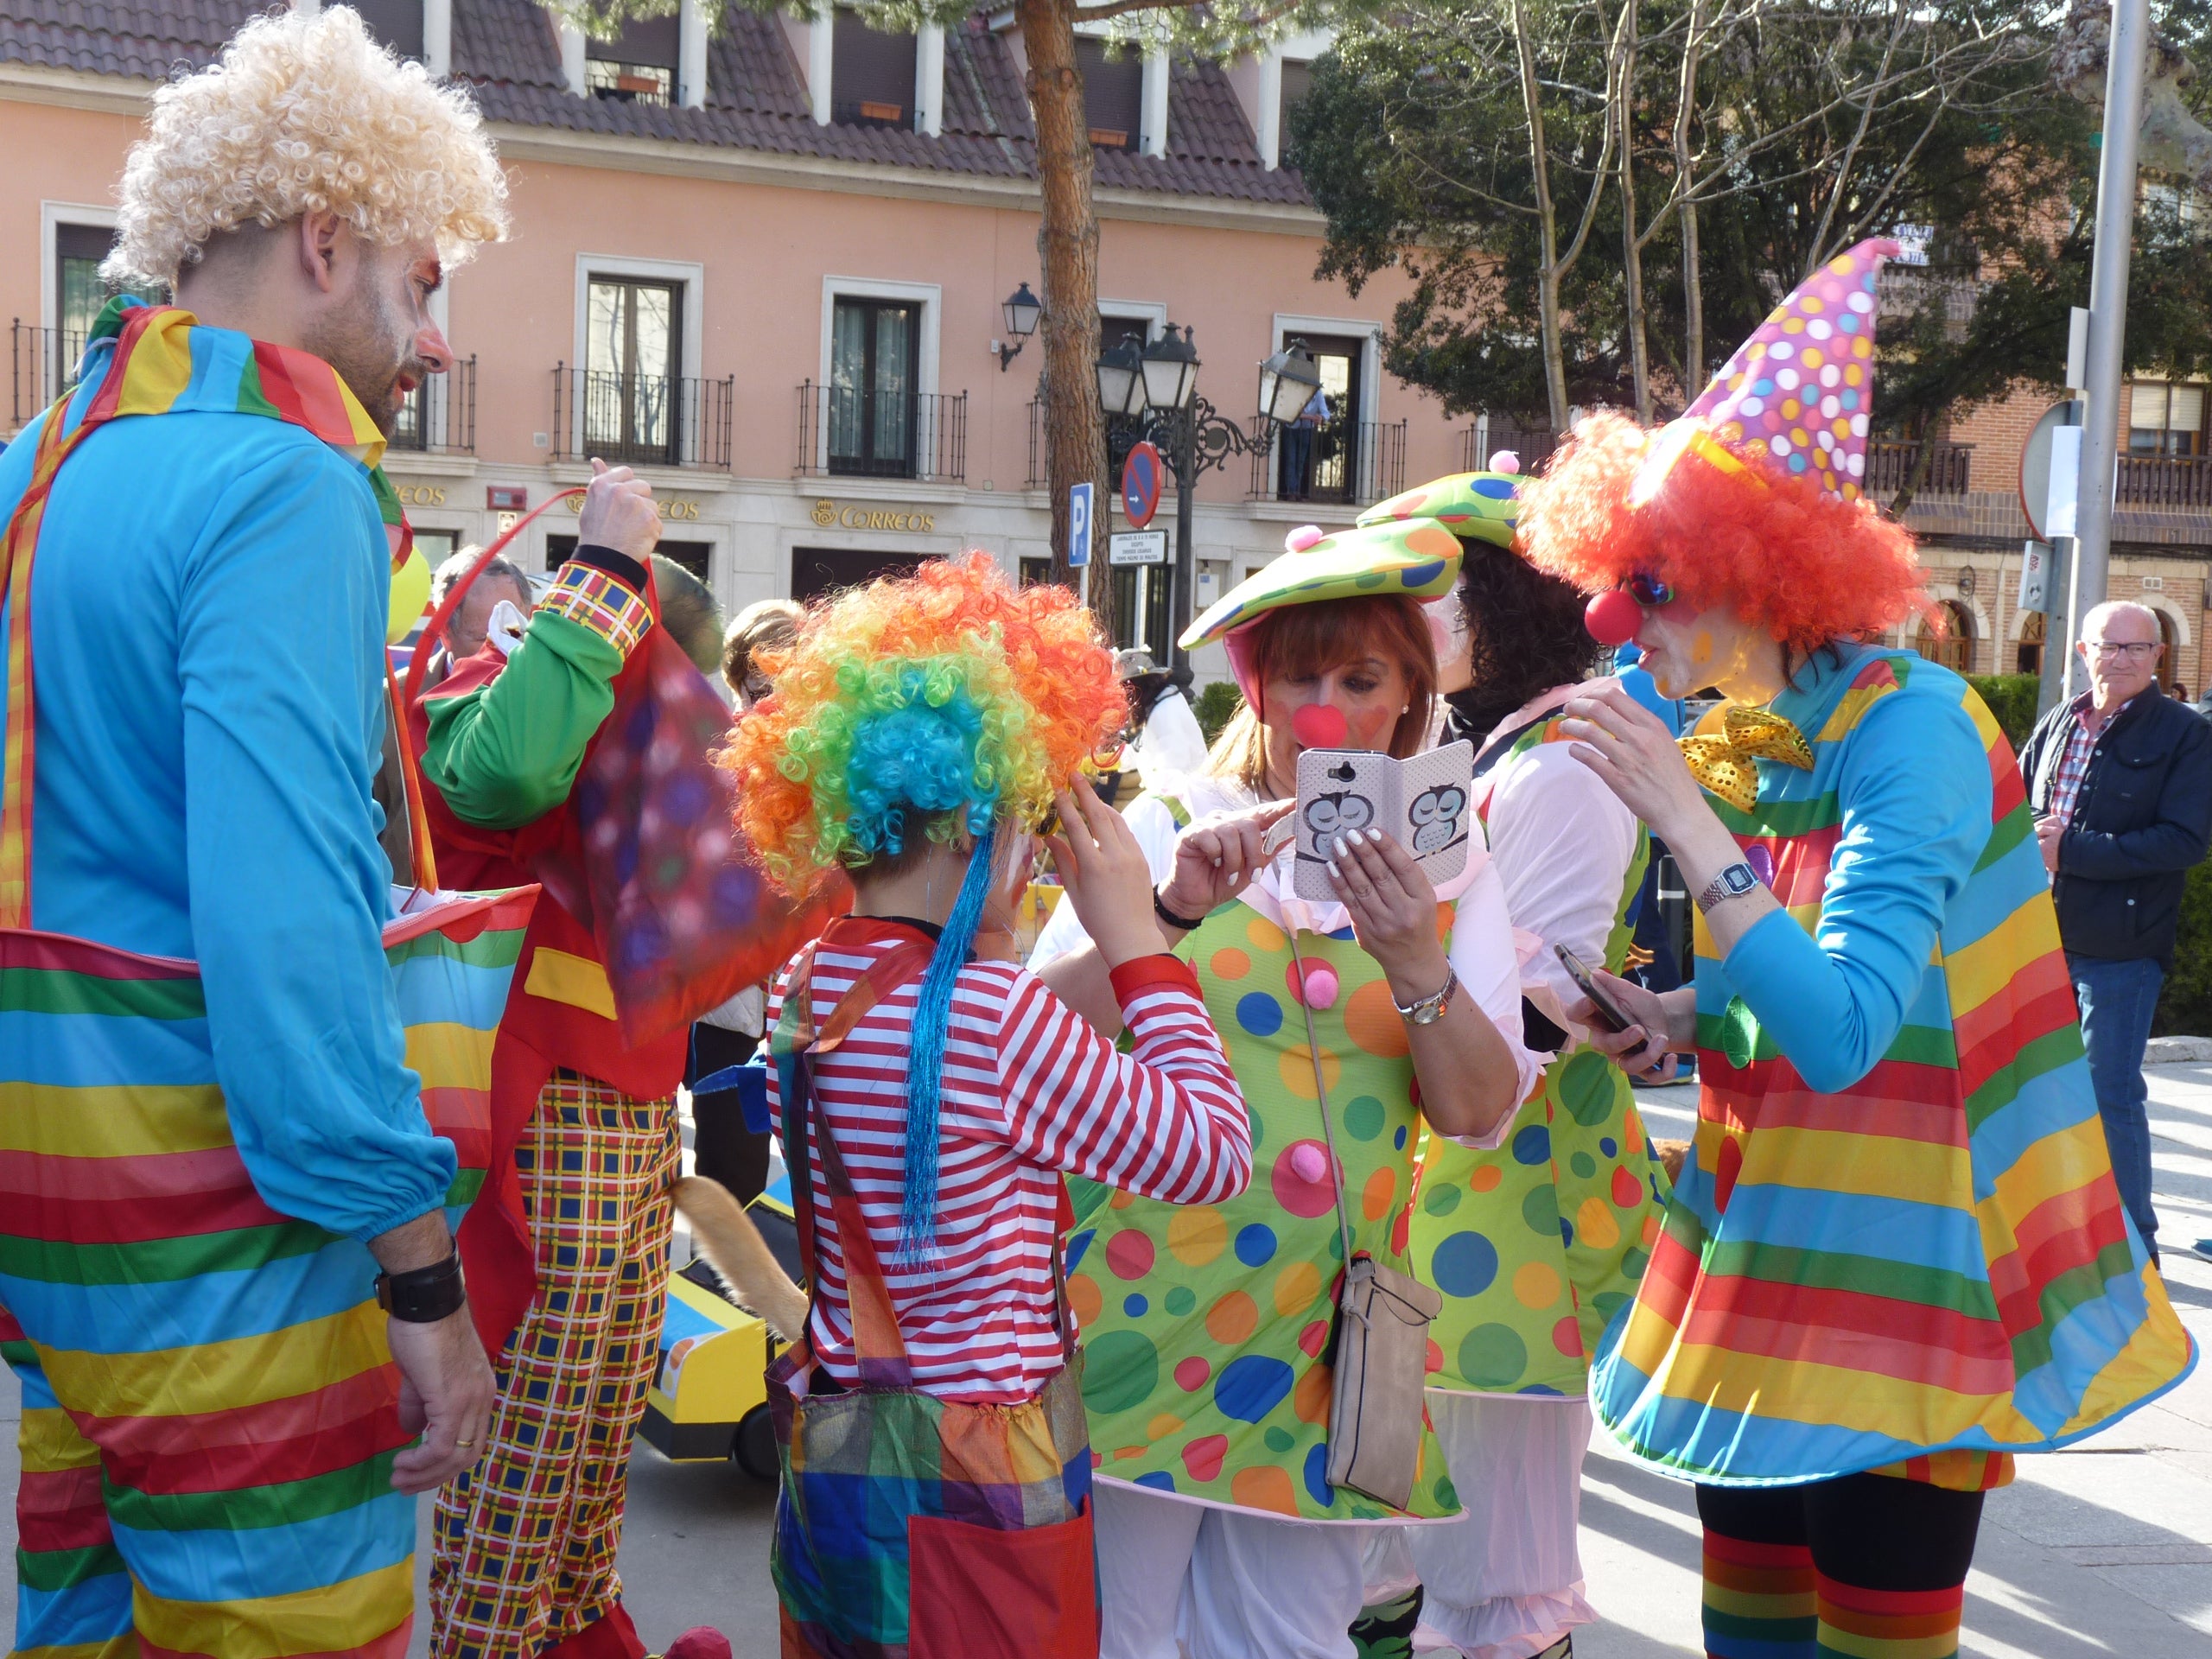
x: 1078, y: 525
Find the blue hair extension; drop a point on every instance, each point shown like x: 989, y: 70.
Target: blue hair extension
x: 926, y: 1060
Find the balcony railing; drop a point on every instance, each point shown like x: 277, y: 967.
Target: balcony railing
x: 847, y: 432
x: 642, y: 419
x: 1890, y: 463
x: 1340, y: 463
x: 45, y: 365
x: 439, y: 417
x: 1532, y: 444
x: 2180, y: 482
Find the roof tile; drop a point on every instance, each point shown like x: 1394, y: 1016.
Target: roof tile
x: 509, y: 50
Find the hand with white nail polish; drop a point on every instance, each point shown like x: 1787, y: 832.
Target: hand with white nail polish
x: 1217, y: 855
x: 1392, y: 911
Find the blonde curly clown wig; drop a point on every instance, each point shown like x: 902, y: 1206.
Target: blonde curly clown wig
x: 306, y: 114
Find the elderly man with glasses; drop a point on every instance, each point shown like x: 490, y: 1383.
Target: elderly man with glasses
x: 2120, y: 779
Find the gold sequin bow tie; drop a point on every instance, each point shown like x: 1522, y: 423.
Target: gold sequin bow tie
x: 1722, y: 762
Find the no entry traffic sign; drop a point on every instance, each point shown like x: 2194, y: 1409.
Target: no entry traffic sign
x: 1142, y: 475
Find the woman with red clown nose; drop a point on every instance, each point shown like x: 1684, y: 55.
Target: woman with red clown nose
x: 1349, y: 1024
x: 1895, y: 1256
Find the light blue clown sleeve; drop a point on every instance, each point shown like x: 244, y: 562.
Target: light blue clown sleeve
x: 280, y: 625
x: 1915, y: 792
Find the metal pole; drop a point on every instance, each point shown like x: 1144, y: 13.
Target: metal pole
x: 1187, y: 582
x: 2124, y: 67
x: 2057, y: 628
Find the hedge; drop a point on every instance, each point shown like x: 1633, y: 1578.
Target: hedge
x: 1217, y: 706
x: 2012, y: 699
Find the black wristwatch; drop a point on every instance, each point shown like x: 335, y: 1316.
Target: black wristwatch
x: 1733, y: 882
x: 422, y: 1295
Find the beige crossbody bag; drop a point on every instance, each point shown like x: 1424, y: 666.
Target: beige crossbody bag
x: 1381, y: 1342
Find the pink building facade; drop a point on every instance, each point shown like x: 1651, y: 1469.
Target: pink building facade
x: 769, y: 268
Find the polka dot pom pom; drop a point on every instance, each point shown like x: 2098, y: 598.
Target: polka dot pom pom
x: 1301, y: 539
x: 1505, y: 461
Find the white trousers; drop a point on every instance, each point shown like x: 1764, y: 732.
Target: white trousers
x: 1504, y: 1580
x: 1182, y: 1581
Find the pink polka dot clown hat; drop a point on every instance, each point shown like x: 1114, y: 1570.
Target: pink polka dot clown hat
x: 1797, y: 393
x: 1755, y: 497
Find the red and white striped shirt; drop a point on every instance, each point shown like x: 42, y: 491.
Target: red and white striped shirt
x: 1030, y: 1089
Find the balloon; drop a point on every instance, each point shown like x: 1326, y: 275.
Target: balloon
x: 1613, y: 618
x: 1319, y: 726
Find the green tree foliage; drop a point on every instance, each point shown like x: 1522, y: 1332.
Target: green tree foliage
x: 1815, y: 122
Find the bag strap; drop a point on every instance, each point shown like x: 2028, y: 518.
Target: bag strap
x: 879, y: 1350
x: 433, y: 631
x: 18, y: 758
x: 1321, y: 1095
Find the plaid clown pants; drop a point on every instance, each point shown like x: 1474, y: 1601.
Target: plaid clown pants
x: 525, y: 1542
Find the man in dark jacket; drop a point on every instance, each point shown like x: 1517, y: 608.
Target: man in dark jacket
x: 2121, y: 779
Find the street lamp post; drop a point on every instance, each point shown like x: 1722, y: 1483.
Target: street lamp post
x: 1152, y: 396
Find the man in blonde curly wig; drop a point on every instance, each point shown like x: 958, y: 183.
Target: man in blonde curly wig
x: 223, y: 1445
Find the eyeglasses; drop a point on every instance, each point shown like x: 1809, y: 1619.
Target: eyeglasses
x: 1649, y: 591
x: 2133, y: 650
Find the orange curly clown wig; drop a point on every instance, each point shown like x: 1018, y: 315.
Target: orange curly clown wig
x: 1804, y: 565
x: 949, y: 699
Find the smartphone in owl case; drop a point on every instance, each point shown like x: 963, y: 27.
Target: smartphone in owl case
x: 1424, y: 804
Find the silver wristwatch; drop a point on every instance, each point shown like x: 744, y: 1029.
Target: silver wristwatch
x: 1733, y: 882
x: 1428, y: 1010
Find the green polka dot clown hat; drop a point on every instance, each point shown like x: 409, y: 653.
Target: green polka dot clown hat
x: 1415, y: 557
x: 1418, y: 557
x: 1476, y: 506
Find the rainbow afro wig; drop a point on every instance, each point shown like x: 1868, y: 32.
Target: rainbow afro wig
x: 924, y: 705
x: 1771, y: 547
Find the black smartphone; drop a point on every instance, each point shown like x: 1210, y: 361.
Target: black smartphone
x: 1609, y: 1012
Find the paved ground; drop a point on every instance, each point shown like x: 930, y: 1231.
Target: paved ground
x: 2106, y: 1550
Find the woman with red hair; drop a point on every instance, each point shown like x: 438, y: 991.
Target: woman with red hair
x: 1896, y: 1254
x: 1223, y: 1532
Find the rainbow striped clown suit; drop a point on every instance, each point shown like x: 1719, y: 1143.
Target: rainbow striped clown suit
x: 205, y: 1103
x: 1896, y: 1246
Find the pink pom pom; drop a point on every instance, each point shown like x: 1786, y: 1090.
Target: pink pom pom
x: 1303, y: 537
x: 1321, y: 987
x: 1319, y: 726
x: 1505, y: 461
x: 1308, y: 1163
x: 1613, y: 618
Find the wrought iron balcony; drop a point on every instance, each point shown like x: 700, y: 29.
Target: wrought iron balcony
x: 642, y: 419
x: 849, y: 432
x: 45, y: 365
x: 1532, y: 445
x: 1340, y: 463
x: 439, y: 417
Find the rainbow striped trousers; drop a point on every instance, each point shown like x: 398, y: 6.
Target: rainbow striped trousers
x: 210, y: 1409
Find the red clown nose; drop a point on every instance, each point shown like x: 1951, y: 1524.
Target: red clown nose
x: 1319, y: 726
x: 1613, y: 618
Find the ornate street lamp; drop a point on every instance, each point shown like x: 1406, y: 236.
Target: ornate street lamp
x: 1171, y: 370
x: 1287, y: 383
x: 1121, y: 381
x: 1152, y: 394
x: 1022, y: 310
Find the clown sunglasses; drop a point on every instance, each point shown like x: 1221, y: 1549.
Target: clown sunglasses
x: 1648, y: 591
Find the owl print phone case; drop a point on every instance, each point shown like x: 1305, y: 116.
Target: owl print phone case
x: 1422, y: 804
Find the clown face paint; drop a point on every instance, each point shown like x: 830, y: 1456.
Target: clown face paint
x: 1685, y: 650
x: 1369, y: 694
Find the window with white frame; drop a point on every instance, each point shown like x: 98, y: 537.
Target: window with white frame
x: 638, y: 66
x: 634, y: 336
x: 2166, y: 418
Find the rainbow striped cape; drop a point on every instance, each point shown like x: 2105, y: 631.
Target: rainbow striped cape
x: 1932, y: 1269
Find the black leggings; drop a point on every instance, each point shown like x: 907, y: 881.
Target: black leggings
x: 1875, y: 1532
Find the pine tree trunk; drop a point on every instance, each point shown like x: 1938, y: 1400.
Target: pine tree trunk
x: 1547, y: 272
x: 1639, y: 353
x: 1067, y: 249
x: 1692, y: 282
